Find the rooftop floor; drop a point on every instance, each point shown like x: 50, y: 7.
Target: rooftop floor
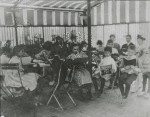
x: 104, y: 106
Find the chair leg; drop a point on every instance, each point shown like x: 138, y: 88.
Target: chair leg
x: 50, y: 99
x: 58, y: 102
x: 71, y: 98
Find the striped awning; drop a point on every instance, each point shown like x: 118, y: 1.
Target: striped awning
x: 117, y: 12
x: 66, y: 4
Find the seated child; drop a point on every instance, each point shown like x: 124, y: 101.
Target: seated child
x: 129, y: 71
x: 108, y: 60
x: 96, y: 75
x: 110, y: 43
x: 144, y: 65
x: 81, y: 75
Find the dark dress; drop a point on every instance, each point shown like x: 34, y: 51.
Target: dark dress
x: 125, y: 48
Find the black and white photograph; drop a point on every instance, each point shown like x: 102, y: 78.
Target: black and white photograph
x: 74, y: 58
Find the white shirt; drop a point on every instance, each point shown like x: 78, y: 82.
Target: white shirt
x: 109, y: 61
x: 4, y: 59
x: 114, y: 51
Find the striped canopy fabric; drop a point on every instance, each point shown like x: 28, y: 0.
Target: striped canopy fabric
x: 69, y: 4
x: 116, y: 12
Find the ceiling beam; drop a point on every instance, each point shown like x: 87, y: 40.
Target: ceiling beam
x: 38, y: 7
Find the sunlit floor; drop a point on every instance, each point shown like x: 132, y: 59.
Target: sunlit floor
x: 105, y: 106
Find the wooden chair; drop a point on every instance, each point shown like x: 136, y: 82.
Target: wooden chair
x: 12, y: 66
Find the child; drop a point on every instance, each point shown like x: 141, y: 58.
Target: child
x: 81, y: 75
x: 108, y: 60
x: 129, y: 71
x: 110, y: 43
x: 144, y: 65
x: 96, y: 75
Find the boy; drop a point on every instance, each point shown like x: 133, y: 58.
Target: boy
x: 108, y: 60
x: 110, y: 43
x: 129, y: 71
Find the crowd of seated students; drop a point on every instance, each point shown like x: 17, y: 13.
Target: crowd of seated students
x: 132, y: 61
x: 128, y: 60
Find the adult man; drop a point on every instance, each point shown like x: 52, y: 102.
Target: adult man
x: 116, y: 45
x: 125, y: 46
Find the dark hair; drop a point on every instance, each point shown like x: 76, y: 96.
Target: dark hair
x: 6, y: 49
x: 109, y: 49
x: 110, y: 41
x: 140, y: 37
x: 47, y: 45
x: 17, y: 49
x: 99, y: 42
x: 128, y: 36
x: 132, y: 47
x: 112, y: 35
x: 8, y: 41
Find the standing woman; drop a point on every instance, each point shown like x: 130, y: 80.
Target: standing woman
x: 141, y: 45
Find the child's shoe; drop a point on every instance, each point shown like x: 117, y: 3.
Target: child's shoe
x: 141, y: 93
x: 147, y: 95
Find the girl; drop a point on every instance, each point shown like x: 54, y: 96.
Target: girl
x: 12, y: 79
x: 81, y: 75
x: 5, y: 57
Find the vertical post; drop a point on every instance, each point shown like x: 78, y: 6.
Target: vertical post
x: 15, y: 25
x: 89, y: 35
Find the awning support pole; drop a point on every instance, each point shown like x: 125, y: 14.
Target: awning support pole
x: 89, y: 35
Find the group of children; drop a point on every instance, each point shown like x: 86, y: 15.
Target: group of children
x: 135, y: 61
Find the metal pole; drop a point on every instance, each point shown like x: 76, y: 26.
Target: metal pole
x: 89, y: 35
x: 15, y: 25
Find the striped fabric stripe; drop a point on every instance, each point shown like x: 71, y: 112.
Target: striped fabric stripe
x: 73, y: 18
x: 8, y: 16
x: 57, y: 17
x: 105, y: 12
x: 92, y: 15
x: 65, y: 18
x: 99, y: 14
x: 53, y: 18
x: 110, y: 12
x: 147, y: 10
x: 25, y: 16
x: 132, y: 11
x: 95, y: 15
x: 19, y: 17
x: 114, y: 14
x: 2, y: 18
x: 122, y: 12
x: 61, y: 18
x: 142, y: 11
x: 127, y: 11
x: 118, y: 11
x: 30, y: 17
x: 39, y: 17
x: 49, y: 18
x: 137, y: 11
x: 102, y: 13
x: 45, y: 17
x: 35, y: 17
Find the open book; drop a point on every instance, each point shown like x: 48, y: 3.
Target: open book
x: 106, y: 71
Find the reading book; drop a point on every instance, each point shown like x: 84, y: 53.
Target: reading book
x: 106, y: 71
